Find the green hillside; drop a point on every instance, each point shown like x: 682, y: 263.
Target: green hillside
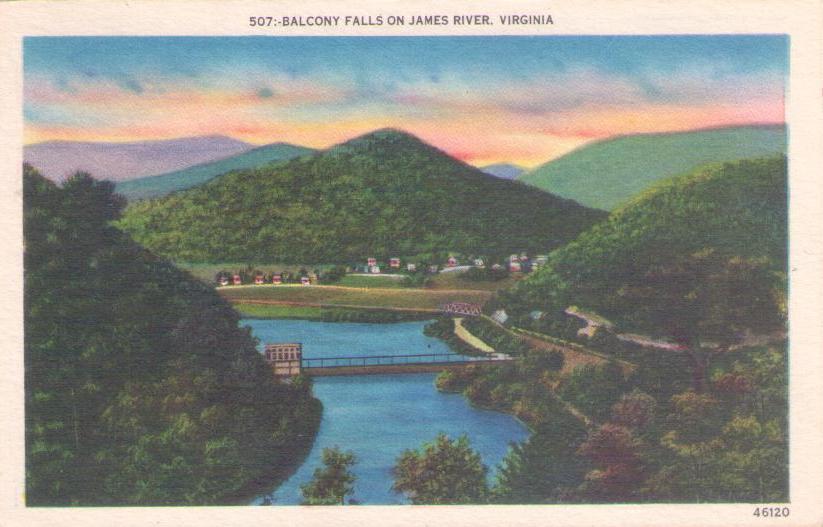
x: 141, y: 388
x: 607, y: 173
x: 731, y: 210
x: 156, y: 186
x: 382, y: 194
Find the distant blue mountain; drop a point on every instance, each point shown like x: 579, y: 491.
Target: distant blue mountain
x: 503, y: 170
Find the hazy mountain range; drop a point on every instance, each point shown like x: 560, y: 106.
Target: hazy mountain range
x: 122, y: 161
x: 603, y: 174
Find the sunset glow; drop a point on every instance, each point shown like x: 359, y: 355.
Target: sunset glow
x: 482, y: 99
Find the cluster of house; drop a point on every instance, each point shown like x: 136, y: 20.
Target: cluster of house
x: 260, y: 279
x: 521, y: 263
x: 516, y: 263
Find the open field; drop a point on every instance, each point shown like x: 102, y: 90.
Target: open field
x: 388, y: 281
x: 457, y: 280
x: 377, y: 298
x: 279, y: 311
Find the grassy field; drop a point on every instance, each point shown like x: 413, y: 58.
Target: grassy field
x: 382, y: 281
x: 351, y: 297
x: 272, y: 311
x: 458, y: 281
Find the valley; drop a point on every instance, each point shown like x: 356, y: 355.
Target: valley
x: 425, y: 255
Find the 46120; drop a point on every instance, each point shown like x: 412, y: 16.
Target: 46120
x: 771, y: 512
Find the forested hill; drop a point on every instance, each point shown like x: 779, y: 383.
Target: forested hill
x: 141, y: 389
x: 607, y: 173
x: 156, y: 186
x: 684, y: 232
x: 382, y: 194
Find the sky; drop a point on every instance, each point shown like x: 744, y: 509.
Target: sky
x: 484, y: 100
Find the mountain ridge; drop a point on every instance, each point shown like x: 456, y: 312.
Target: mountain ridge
x: 162, y: 184
x: 121, y: 161
x: 734, y: 209
x: 606, y: 173
x: 379, y: 194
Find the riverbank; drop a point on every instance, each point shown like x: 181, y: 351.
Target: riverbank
x: 274, y: 475
x: 266, y: 311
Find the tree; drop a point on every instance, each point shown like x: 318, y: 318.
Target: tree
x: 633, y: 410
x: 616, y: 451
x: 537, y: 361
x: 444, y: 471
x: 690, y: 470
x: 141, y: 389
x: 331, y: 484
x: 706, y: 302
x: 541, y: 468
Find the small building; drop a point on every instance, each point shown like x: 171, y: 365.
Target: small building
x: 224, y: 280
x: 285, y: 358
x: 371, y: 262
x: 500, y: 316
x: 277, y: 279
x: 514, y: 258
x: 434, y: 268
x: 452, y: 261
x: 374, y: 269
x: 478, y: 262
x: 497, y: 267
x: 305, y: 280
x: 394, y: 263
x: 236, y: 280
x: 515, y: 267
x: 410, y: 267
x: 259, y: 279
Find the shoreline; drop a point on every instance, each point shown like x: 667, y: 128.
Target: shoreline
x: 256, y: 487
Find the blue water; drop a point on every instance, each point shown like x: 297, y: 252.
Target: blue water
x: 347, y: 339
x: 379, y: 416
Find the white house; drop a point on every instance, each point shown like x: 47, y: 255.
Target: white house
x: 500, y: 316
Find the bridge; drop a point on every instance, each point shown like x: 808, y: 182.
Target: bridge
x: 382, y: 364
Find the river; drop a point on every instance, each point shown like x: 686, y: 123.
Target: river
x: 379, y: 416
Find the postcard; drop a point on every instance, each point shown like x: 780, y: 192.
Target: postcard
x: 455, y: 263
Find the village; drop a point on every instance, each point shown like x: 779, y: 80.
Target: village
x: 391, y: 267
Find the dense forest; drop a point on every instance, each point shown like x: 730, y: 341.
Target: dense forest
x: 699, y: 261
x: 380, y: 195
x: 601, y: 435
x: 679, y: 234
x: 160, y: 185
x: 140, y: 386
